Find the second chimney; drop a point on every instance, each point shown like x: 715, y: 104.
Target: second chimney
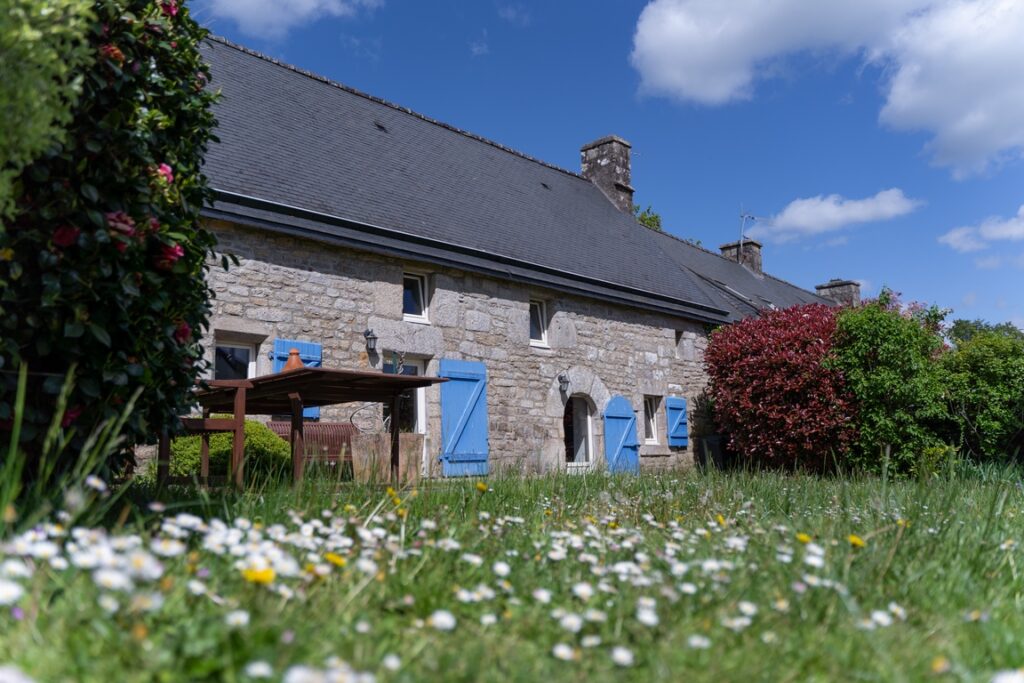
x: 747, y: 252
x: 843, y: 292
x: 605, y: 163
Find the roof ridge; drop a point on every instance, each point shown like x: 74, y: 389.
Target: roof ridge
x: 708, y: 251
x: 391, y: 105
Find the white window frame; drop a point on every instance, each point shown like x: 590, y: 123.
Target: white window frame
x: 541, y: 343
x: 253, y: 350
x: 652, y: 405
x: 421, y: 278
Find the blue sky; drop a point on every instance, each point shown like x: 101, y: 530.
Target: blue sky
x: 877, y: 140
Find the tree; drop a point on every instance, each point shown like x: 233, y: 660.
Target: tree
x: 647, y: 217
x: 42, y: 52
x: 103, y: 268
x: 964, y: 330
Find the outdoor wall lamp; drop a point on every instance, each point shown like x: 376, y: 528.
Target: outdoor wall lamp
x: 371, y: 341
x: 563, y: 383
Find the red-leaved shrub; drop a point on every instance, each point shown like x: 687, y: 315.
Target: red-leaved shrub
x: 773, y: 394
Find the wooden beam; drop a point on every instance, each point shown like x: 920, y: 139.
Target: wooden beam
x: 163, y: 459
x: 196, y: 425
x: 238, y: 445
x: 298, y: 444
x: 394, y: 440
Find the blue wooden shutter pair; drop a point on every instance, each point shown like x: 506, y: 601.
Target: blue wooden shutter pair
x: 621, y: 448
x: 464, y: 442
x: 311, y: 354
x: 678, y: 433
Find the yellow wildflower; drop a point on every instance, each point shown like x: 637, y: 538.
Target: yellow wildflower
x: 390, y: 491
x: 902, y: 523
x: 261, y: 576
x: 548, y: 513
x: 940, y: 665
x: 139, y: 631
x: 166, y: 584
x: 336, y: 559
x: 856, y: 541
x: 349, y: 507
x: 6, y: 254
x: 481, y: 487
x: 803, y: 538
x: 721, y: 519
x: 402, y: 512
x: 396, y: 500
x: 10, y: 514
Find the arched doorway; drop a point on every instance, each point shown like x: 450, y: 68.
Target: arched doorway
x: 578, y: 428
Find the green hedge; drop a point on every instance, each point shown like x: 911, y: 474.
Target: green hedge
x: 266, y: 454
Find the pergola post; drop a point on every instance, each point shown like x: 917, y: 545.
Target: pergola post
x: 163, y: 458
x: 238, y: 444
x: 394, y: 439
x: 298, y: 446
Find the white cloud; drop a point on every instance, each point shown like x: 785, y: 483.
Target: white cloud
x: 274, y: 18
x: 969, y: 299
x: 816, y: 215
x: 479, y: 47
x: 988, y: 262
x: 978, y: 237
x: 516, y: 14
x: 953, y: 68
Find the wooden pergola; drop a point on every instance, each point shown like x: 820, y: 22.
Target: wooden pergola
x: 287, y: 392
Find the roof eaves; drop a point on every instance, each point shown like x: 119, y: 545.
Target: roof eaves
x: 666, y: 303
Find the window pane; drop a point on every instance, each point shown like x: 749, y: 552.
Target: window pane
x: 650, y: 411
x: 412, y: 295
x: 231, y: 362
x: 536, y: 321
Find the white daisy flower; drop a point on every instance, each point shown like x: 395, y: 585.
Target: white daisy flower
x: 584, y: 591
x: 488, y: 620
x: 622, y: 656
x: 502, y: 569
x: 647, y: 617
x: 542, y: 595
x: 590, y: 641
x: 237, y: 619
x: 10, y: 592
x: 391, y: 662
x: 442, y: 620
x: 572, y: 623
x: 698, y: 642
x: 95, y: 483
x: 259, y: 669
x: 112, y: 580
x: 563, y: 652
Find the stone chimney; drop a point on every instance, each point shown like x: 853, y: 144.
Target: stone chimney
x: 605, y: 163
x: 749, y: 254
x: 843, y: 292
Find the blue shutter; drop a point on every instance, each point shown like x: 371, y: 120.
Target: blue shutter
x: 675, y: 411
x: 621, y: 448
x: 464, y: 445
x: 311, y: 354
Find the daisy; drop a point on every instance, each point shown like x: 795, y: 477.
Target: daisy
x: 698, y: 642
x: 10, y: 592
x: 563, y: 652
x: 442, y: 620
x: 237, y: 619
x: 259, y: 669
x: 622, y: 656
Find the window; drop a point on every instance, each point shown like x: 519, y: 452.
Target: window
x: 234, y: 361
x: 414, y: 297
x: 538, y: 324
x: 651, y: 404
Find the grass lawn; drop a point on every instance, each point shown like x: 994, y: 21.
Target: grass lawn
x: 672, y: 577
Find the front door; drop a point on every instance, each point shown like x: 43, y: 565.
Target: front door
x: 412, y: 406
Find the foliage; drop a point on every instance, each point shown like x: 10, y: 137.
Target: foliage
x: 986, y: 372
x: 772, y: 394
x: 889, y: 356
x: 964, y: 330
x: 265, y: 453
x: 104, y: 265
x: 42, y: 53
x: 775, y: 590
x: 647, y: 217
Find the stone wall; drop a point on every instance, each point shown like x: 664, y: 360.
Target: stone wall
x: 299, y: 289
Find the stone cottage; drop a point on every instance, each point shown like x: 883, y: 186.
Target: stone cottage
x: 372, y: 237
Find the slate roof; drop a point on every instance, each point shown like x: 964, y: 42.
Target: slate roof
x: 301, y: 155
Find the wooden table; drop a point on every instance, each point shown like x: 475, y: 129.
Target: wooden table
x: 287, y: 392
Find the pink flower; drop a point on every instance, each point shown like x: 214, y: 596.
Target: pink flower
x: 169, y: 255
x: 183, y: 332
x: 165, y: 171
x: 65, y: 235
x: 70, y: 415
x: 121, y: 222
x: 169, y: 8
x: 154, y: 224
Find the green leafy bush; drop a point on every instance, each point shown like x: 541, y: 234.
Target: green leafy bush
x: 889, y: 357
x: 42, y: 52
x: 103, y: 265
x: 986, y: 374
x: 265, y: 453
